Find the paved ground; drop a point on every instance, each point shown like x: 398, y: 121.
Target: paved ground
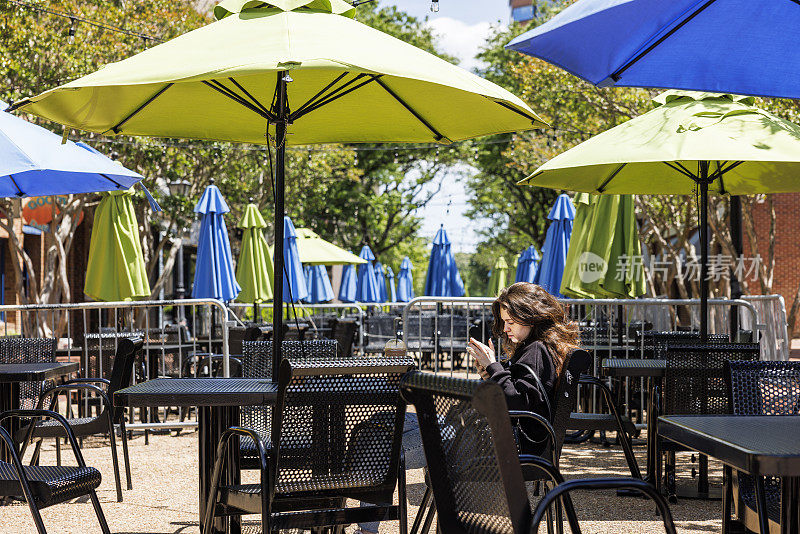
x: 164, y: 498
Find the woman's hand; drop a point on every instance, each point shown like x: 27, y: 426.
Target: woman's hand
x: 483, y: 354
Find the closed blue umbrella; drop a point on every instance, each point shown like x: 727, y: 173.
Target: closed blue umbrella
x: 318, y: 284
x: 213, y: 274
x: 367, y: 286
x: 347, y: 288
x: 294, y: 279
x: 443, y: 279
x: 405, y: 281
x: 34, y: 162
x: 723, y: 46
x: 380, y: 278
x: 526, y: 265
x: 392, y: 292
x: 556, y: 244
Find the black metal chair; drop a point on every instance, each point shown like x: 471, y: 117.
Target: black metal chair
x: 338, y: 429
x: 694, y: 383
x: 128, y: 349
x: 378, y: 329
x: 28, y: 350
x: 43, y: 486
x: 653, y: 342
x: 475, y: 472
x: 759, y: 388
x: 344, y: 332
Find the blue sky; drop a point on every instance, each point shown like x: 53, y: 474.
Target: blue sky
x: 462, y: 26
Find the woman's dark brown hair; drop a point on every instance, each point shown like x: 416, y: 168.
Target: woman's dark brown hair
x: 530, y: 305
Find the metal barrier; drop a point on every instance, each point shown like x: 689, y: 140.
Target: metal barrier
x: 775, y: 340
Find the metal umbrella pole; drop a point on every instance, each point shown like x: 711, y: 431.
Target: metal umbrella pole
x: 280, y: 168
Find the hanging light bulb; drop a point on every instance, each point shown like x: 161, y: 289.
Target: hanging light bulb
x: 435, y: 6
x: 71, y: 33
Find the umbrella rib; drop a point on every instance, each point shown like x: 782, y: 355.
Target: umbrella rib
x: 111, y: 180
x: 116, y: 127
x: 253, y: 99
x: 617, y: 74
x: 336, y: 95
x: 681, y: 169
x: 607, y: 180
x: 19, y: 193
x: 518, y: 112
x: 215, y: 85
x: 437, y: 135
x: 313, y: 98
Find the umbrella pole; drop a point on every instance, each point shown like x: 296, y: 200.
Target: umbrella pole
x: 703, y: 251
x: 277, y: 282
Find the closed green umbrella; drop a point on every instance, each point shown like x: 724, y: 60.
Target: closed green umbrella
x: 499, y: 277
x: 116, y: 269
x: 604, y: 257
x: 254, y: 268
x: 690, y: 141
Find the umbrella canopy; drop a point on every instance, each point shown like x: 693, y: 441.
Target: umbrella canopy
x: 34, y: 162
x: 443, y: 279
x: 604, y: 257
x: 367, y: 287
x: 499, y: 277
x: 681, y: 44
x: 318, y: 284
x: 347, y: 287
x: 526, y: 265
x: 213, y: 274
x: 380, y: 279
x: 556, y: 244
x: 116, y: 270
x: 254, y: 268
x: 405, y: 281
x: 293, y: 277
x: 301, y: 71
x: 314, y: 250
x: 391, y: 291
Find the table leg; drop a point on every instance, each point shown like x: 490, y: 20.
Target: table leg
x: 652, y: 431
x: 9, y: 400
x: 790, y: 508
x: 212, y: 422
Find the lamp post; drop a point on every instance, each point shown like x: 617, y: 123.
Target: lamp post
x: 179, y: 187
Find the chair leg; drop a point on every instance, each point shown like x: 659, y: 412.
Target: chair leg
x: 101, y: 518
x: 36, y: 452
x: 423, y: 507
x: 58, y: 451
x: 761, y: 504
x: 114, y: 459
x: 125, y: 455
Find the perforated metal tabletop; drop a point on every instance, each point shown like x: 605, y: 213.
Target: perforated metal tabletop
x: 620, y: 367
x: 199, y: 392
x: 35, y: 372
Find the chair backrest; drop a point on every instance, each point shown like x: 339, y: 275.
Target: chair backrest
x: 469, y: 446
x: 653, y: 342
x: 763, y: 388
x: 694, y: 381
x: 565, y: 396
x: 28, y: 350
x: 128, y: 349
x: 339, y: 426
x: 344, y: 332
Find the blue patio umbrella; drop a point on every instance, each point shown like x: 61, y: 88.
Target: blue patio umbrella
x: 347, y: 287
x: 391, y: 295
x: 318, y: 284
x: 34, y: 162
x: 722, y: 46
x: 367, y: 289
x: 380, y: 278
x: 294, y: 279
x: 526, y: 265
x: 213, y: 274
x: 556, y: 244
x: 443, y: 279
x: 405, y: 281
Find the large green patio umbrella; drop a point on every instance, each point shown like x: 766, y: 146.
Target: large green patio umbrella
x: 314, y: 250
x: 254, y: 268
x: 116, y: 270
x: 499, y: 277
x: 604, y: 256
x: 691, y: 142
x: 287, y: 72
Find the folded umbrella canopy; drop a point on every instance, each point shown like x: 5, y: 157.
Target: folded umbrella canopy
x: 347, y: 287
x: 213, y: 273
x: 526, y: 265
x: 556, y: 244
x: 499, y: 277
x: 405, y: 281
x: 443, y: 279
x: 318, y: 284
x: 367, y: 289
x: 605, y: 256
x: 254, y: 268
x: 299, y: 71
x: 34, y: 162
x: 115, y: 270
x: 294, y: 279
x: 380, y: 278
x: 716, y: 45
x: 689, y: 141
x: 391, y: 295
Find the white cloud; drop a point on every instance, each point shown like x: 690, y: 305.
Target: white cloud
x: 460, y: 39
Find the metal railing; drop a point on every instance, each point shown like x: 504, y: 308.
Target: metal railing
x: 775, y: 339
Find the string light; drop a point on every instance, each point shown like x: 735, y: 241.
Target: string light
x: 435, y: 6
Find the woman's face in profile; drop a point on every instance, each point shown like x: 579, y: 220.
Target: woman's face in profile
x: 515, y: 332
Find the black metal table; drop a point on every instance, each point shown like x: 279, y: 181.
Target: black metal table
x: 218, y: 401
x: 759, y: 445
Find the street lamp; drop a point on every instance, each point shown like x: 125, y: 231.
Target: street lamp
x: 179, y: 187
